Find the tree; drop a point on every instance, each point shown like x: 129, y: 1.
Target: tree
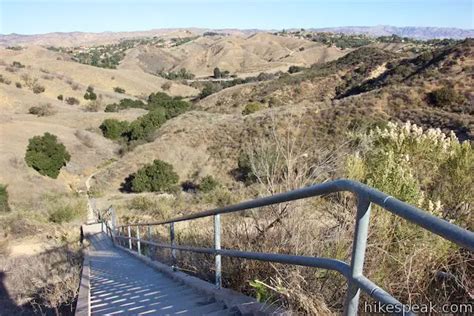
x: 294, y: 69
x: 113, y: 129
x: 156, y: 177
x: 46, y: 155
x: 217, y: 73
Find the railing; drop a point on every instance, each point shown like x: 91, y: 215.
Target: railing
x: 353, y: 272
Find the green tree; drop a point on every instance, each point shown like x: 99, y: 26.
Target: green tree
x: 217, y: 73
x: 156, y: 177
x: 46, y: 155
x: 113, y: 129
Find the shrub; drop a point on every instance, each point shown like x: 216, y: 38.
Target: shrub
x: 90, y: 94
x: 208, y: 184
x: 72, y: 101
x: 4, y: 80
x: 60, y: 97
x: 113, y: 129
x: 166, y: 86
x: 295, y: 69
x: 209, y: 88
x: 445, y: 97
x: 119, y: 90
x: 17, y: 64
x: 427, y: 169
x: 251, y: 108
x: 42, y: 110
x: 46, y: 155
x: 38, y: 89
x: 156, y: 177
x: 62, y: 214
x: 125, y: 104
x: 18, y: 85
x: 144, y: 126
x: 4, y: 206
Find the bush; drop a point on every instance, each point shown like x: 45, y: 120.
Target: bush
x: 4, y: 206
x: 72, y: 101
x: 113, y: 129
x: 62, y: 214
x: 60, y: 97
x: 38, y: 89
x: 445, y: 97
x: 251, y: 108
x: 145, y: 125
x: 209, y: 88
x: 156, y: 177
x: 18, y: 85
x: 427, y: 169
x: 125, y: 104
x: 90, y: 94
x: 208, y: 184
x: 46, y: 155
x: 119, y: 90
x: 166, y: 86
x: 295, y: 69
x: 42, y: 110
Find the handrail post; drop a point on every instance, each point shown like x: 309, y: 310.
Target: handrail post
x: 173, y: 244
x: 351, y: 303
x: 129, y: 237
x: 139, y: 247
x: 217, y: 247
x: 149, y: 247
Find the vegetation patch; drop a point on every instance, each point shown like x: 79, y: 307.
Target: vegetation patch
x: 46, y: 155
x: 156, y: 177
x: 4, y: 206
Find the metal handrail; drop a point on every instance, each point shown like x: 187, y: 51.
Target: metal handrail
x: 353, y: 272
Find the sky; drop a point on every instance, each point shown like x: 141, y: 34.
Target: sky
x: 44, y: 16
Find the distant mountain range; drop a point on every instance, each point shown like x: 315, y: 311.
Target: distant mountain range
x: 423, y: 33
x: 85, y: 38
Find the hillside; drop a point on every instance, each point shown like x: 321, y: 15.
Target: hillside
x: 243, y: 56
x: 295, y: 112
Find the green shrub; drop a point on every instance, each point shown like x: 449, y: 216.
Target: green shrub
x: 113, y: 129
x: 156, y: 177
x: 125, y: 104
x: 4, y: 206
x: 90, y: 94
x: 62, y: 214
x: 208, y: 184
x: 145, y: 125
x: 209, y: 88
x: 251, y: 108
x: 119, y: 90
x: 46, y: 155
x: 295, y: 69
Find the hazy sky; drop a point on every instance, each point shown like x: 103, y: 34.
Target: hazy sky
x: 42, y: 16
